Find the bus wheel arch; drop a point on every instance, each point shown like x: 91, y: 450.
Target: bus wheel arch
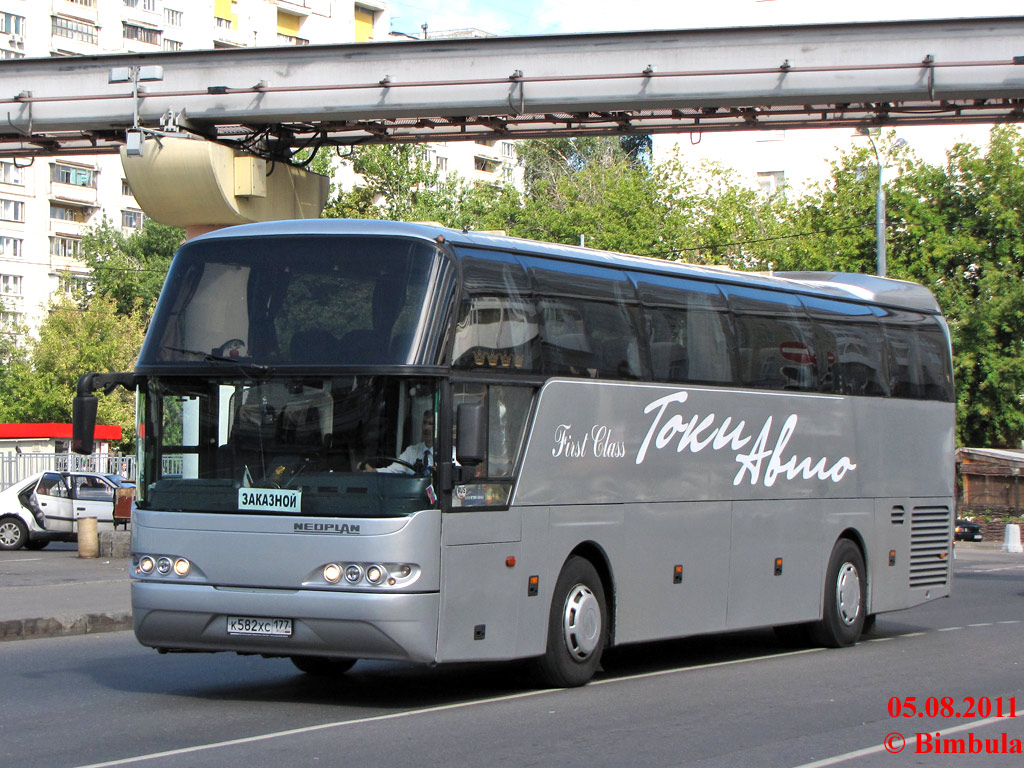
x: 845, y: 599
x: 579, y: 624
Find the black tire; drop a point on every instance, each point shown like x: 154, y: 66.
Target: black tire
x: 845, y: 598
x: 35, y: 544
x: 322, y: 666
x: 577, y: 627
x: 13, y: 533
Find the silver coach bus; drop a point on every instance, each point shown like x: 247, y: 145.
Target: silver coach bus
x: 405, y: 442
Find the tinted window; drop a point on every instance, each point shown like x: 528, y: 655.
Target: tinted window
x: 689, y: 333
x: 588, y: 319
x: 302, y: 300
x: 918, y: 356
x: 849, y: 348
x: 498, y: 327
x: 774, y: 340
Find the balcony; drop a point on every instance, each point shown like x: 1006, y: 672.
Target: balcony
x: 86, y: 10
x: 73, y: 194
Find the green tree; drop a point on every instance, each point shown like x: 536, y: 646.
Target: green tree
x: 131, y: 269
x: 72, y: 341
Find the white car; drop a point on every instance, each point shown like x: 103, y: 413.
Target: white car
x: 47, y: 506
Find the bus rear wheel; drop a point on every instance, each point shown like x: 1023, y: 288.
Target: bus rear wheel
x: 845, y: 598
x: 577, y: 627
x: 322, y: 666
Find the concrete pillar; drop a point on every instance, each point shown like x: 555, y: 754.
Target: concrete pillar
x: 88, y: 541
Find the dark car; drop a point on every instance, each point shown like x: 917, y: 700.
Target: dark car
x: 967, y: 531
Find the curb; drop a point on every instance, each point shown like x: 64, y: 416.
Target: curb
x: 90, y: 623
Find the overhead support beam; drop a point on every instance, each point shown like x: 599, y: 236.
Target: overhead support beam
x: 888, y: 73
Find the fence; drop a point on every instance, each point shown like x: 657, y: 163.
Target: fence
x: 15, y: 467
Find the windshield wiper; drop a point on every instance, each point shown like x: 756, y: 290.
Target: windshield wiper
x: 209, y: 357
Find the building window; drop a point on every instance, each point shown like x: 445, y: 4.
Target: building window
x: 173, y: 18
x: 84, y: 3
x: 10, y: 173
x: 10, y: 285
x: 142, y: 34
x: 508, y: 150
x: 364, y: 19
x: 5, y: 54
x: 222, y: 23
x: 67, y: 213
x: 126, y: 188
x: 69, y: 174
x: 11, y: 24
x: 68, y: 247
x: 72, y: 285
x: 131, y: 219
x: 442, y: 164
x: 75, y: 30
x: 172, y: 45
x: 10, y: 247
x: 12, y: 210
x: 770, y: 182
x: 10, y: 321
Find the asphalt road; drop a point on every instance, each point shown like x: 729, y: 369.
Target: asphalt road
x: 728, y: 700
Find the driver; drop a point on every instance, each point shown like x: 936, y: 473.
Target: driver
x: 419, y: 455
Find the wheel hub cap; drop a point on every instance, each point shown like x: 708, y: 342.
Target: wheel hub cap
x: 848, y: 594
x: 581, y: 622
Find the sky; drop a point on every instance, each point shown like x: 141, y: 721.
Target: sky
x: 528, y: 17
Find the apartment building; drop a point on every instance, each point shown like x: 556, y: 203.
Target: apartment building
x: 47, y: 204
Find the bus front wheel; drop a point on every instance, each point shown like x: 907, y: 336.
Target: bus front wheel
x: 845, y: 598
x: 322, y: 666
x: 577, y: 627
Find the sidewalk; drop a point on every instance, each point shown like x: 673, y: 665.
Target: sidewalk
x: 53, y: 592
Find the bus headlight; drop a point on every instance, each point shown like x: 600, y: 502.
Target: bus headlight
x: 375, y: 574
x: 182, y: 566
x: 332, y: 573
x: 146, y: 564
x: 353, y: 574
x: 163, y: 566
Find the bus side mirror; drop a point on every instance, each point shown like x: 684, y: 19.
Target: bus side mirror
x: 83, y: 423
x: 471, y: 435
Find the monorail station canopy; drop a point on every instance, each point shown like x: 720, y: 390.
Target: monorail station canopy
x: 261, y: 106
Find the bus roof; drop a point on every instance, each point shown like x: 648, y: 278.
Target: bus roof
x: 836, y: 285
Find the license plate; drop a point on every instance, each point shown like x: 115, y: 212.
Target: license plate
x: 250, y: 625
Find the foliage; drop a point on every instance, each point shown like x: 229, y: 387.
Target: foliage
x: 40, y: 385
x: 130, y: 270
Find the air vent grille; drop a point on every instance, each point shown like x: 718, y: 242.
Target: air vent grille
x: 929, y: 546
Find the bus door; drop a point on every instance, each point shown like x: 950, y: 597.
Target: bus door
x: 484, y: 577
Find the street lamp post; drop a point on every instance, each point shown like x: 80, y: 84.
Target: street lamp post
x: 879, y: 202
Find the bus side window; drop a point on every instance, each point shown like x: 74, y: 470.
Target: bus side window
x: 775, y: 340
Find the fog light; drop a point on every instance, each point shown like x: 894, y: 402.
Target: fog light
x: 146, y: 564
x: 163, y: 565
x: 182, y: 566
x: 332, y: 573
x: 375, y: 574
x: 353, y: 573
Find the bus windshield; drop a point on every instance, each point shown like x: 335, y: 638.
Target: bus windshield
x: 305, y: 300
x: 342, y: 446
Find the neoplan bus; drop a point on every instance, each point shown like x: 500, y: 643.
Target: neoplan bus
x: 623, y: 449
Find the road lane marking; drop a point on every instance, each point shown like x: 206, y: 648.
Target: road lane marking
x: 426, y: 711
x: 836, y: 759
